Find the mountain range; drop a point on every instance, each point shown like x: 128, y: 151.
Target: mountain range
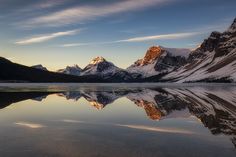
x: 213, y: 61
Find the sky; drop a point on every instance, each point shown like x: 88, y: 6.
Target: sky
x: 58, y: 33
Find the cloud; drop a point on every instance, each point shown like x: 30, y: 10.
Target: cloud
x: 86, y: 44
x: 139, y: 39
x: 49, y: 3
x: 72, y: 121
x: 43, y: 38
x: 80, y: 14
x: 159, y: 37
x: 45, y: 4
x: 157, y: 129
x: 30, y: 125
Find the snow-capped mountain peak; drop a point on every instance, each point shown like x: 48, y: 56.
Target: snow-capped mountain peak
x: 106, y: 70
x: 213, y: 61
x: 39, y: 66
x: 157, y: 60
x: 152, y: 54
x: 97, y: 60
x: 71, y: 70
x: 232, y: 28
x: 100, y: 66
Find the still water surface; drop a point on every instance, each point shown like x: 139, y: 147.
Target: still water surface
x: 120, y: 120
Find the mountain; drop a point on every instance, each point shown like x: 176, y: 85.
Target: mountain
x: 71, y: 70
x: 213, y: 61
x: 39, y: 66
x: 106, y: 70
x: 99, y: 66
x: 158, y: 61
x: 12, y: 72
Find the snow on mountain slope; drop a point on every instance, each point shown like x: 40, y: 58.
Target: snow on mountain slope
x: 214, y: 60
x: 71, y: 70
x: 99, y: 66
x: 178, y: 51
x: 158, y: 60
x: 39, y: 66
x: 214, y: 71
x: 106, y: 70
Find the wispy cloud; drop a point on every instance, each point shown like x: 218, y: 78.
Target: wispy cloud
x: 80, y: 14
x: 45, y: 4
x: 30, y: 125
x: 157, y: 129
x: 158, y: 37
x: 139, y: 39
x: 50, y: 3
x: 43, y: 38
x: 87, y: 44
x: 72, y: 121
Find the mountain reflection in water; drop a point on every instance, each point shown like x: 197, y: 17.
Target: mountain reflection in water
x: 215, y: 108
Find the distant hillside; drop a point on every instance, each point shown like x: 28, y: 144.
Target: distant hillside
x: 12, y: 72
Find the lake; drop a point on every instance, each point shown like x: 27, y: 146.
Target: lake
x: 118, y: 120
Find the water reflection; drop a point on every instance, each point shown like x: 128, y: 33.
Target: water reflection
x: 7, y: 98
x: 213, y: 107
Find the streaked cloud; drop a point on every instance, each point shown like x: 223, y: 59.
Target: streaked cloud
x: 79, y: 14
x: 157, y: 129
x: 158, y: 37
x: 72, y: 121
x: 86, y: 44
x: 30, y: 125
x: 139, y: 39
x: 49, y: 3
x: 43, y: 38
x: 45, y: 4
